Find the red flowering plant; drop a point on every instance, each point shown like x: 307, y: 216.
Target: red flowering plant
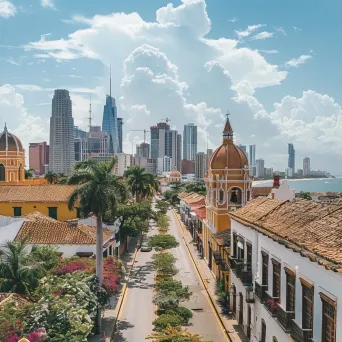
x: 272, y: 305
x: 71, y: 265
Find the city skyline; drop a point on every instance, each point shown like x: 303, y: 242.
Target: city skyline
x: 296, y: 99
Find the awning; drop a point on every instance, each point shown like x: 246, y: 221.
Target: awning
x: 222, y: 238
x: 84, y: 254
x: 109, y: 243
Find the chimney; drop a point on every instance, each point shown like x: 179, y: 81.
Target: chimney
x: 72, y: 223
x: 276, y: 181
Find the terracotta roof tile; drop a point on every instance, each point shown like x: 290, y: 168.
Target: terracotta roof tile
x: 223, y: 238
x: 36, y: 193
x: 258, y: 191
x: 41, y: 229
x: 201, y: 212
x: 313, y: 229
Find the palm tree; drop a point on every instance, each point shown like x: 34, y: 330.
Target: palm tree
x: 29, y: 173
x: 142, y: 183
x: 99, y: 191
x: 18, y: 272
x: 51, y: 177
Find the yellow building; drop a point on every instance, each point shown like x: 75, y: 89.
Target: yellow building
x: 50, y: 200
x: 228, y: 186
x: 12, y: 161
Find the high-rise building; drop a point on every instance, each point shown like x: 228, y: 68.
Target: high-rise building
x: 189, y: 141
x: 38, y: 157
x: 158, y: 139
x: 110, y: 123
x: 188, y: 167
x: 179, y: 151
x: 260, y: 168
x: 143, y: 150
x: 208, y: 157
x: 251, y: 160
x: 171, y: 147
x: 306, y: 166
x: 120, y: 124
x: 200, y: 163
x: 243, y: 148
x: 292, y: 158
x: 165, y: 164
x: 62, y: 135
x: 123, y: 163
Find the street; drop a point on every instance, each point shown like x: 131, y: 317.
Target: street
x: 138, y: 311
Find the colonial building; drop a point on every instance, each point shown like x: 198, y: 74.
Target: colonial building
x: 228, y: 185
x: 286, y: 262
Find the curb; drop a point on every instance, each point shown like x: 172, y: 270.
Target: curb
x: 203, y: 282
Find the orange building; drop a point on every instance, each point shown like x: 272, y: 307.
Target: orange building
x: 228, y: 188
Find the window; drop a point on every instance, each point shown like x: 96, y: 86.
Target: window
x: 276, y: 278
x: 2, y: 172
x: 221, y: 196
x: 234, y: 245
x: 53, y: 212
x: 264, y: 268
x: 308, y: 297
x: 16, y: 211
x: 263, y: 331
x: 249, y: 253
x: 290, y: 292
x: 329, y: 319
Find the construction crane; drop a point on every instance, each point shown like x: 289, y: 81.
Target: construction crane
x: 167, y: 120
x: 141, y: 130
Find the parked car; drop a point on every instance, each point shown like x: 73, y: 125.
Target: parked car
x: 145, y: 247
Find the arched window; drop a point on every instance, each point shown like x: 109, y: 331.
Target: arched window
x: 2, y: 173
x: 221, y: 196
x: 235, y: 196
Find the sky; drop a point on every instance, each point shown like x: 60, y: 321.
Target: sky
x: 275, y: 65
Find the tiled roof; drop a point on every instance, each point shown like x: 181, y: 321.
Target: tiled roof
x: 36, y: 193
x: 311, y: 228
x: 200, y: 212
x: 41, y: 229
x: 223, y: 238
x: 261, y: 191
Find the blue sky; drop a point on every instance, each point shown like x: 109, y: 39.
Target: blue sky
x: 273, y: 64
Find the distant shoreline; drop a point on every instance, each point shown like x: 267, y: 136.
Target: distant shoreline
x: 291, y: 180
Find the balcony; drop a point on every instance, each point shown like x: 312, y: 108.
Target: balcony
x: 271, y: 304
x: 300, y: 335
x: 260, y: 291
x: 232, y: 262
x: 217, y: 257
x: 246, y: 277
x: 224, y: 266
x: 285, y: 318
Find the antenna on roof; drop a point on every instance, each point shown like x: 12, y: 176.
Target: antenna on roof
x: 90, y: 118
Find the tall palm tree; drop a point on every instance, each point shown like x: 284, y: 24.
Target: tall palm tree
x: 99, y: 191
x: 142, y: 183
x: 51, y: 177
x: 18, y: 272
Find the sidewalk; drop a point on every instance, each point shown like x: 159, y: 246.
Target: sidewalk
x: 235, y: 331
x: 109, y: 315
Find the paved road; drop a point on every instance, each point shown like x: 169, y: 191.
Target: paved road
x: 204, y: 321
x: 138, y: 311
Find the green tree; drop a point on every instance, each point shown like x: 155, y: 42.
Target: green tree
x: 198, y: 187
x: 162, y: 206
x: 174, y: 334
x: 62, y: 179
x: 172, y: 196
x: 176, y: 185
x: 18, y: 272
x: 142, y: 183
x: 29, y: 173
x: 51, y: 177
x: 162, y: 242
x: 305, y: 195
x: 99, y: 192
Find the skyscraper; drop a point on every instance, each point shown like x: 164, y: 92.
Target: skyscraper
x: 158, y: 139
x: 171, y: 147
x: 306, y: 166
x: 292, y: 158
x: 110, y: 121
x: 120, y: 124
x: 179, y: 151
x: 62, y: 135
x: 200, y: 162
x: 189, y: 141
x: 143, y: 150
x: 251, y: 160
x: 260, y: 168
x: 38, y: 157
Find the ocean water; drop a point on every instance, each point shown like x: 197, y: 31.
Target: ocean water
x: 313, y: 185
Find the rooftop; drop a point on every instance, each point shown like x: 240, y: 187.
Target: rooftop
x: 41, y: 229
x: 258, y: 191
x: 36, y: 193
x: 200, y: 212
x: 312, y: 229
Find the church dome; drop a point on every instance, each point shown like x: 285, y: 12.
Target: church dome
x: 228, y: 155
x: 175, y: 173
x: 9, y: 142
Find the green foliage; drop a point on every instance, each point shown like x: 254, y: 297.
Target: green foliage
x: 51, y: 177
x: 143, y: 184
x: 305, y: 195
x: 182, y: 312
x: 174, y: 334
x: 29, y: 173
x: 198, y: 187
x: 164, y: 263
x: 162, y: 242
x: 162, y: 206
x: 176, y: 185
x: 163, y: 223
x: 163, y: 321
x: 174, y: 286
x: 46, y: 256
x: 11, y: 320
x: 166, y: 301
x: 172, y: 196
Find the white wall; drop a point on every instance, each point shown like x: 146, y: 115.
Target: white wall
x: 9, y: 232
x: 284, y: 193
x: 70, y: 250
x: 324, y: 281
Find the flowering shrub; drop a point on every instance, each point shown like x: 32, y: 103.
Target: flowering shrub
x: 272, y: 305
x: 72, y: 267
x: 111, y: 283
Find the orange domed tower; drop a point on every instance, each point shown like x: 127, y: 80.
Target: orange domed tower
x: 228, y: 188
x: 12, y: 158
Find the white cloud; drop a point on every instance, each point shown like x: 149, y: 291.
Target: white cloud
x: 297, y: 28
x: 250, y: 29
x: 272, y: 52
x: 262, y: 35
x: 73, y: 76
x: 281, y: 30
x: 296, y: 62
x: 7, y: 9
x: 48, y: 4
x: 233, y: 20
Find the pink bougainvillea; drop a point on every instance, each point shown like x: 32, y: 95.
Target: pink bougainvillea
x: 111, y: 283
x: 73, y: 267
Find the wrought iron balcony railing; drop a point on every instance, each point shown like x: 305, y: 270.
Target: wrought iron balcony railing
x: 217, y: 257
x: 224, y: 266
x: 285, y: 318
x: 260, y: 291
x: 271, y: 304
x: 300, y: 335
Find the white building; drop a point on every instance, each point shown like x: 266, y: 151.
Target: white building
x: 190, y: 141
x: 251, y: 160
x: 306, y: 166
x: 123, y: 163
x: 165, y: 164
x: 260, y: 168
x: 289, y: 172
x: 62, y: 135
x: 286, y: 262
